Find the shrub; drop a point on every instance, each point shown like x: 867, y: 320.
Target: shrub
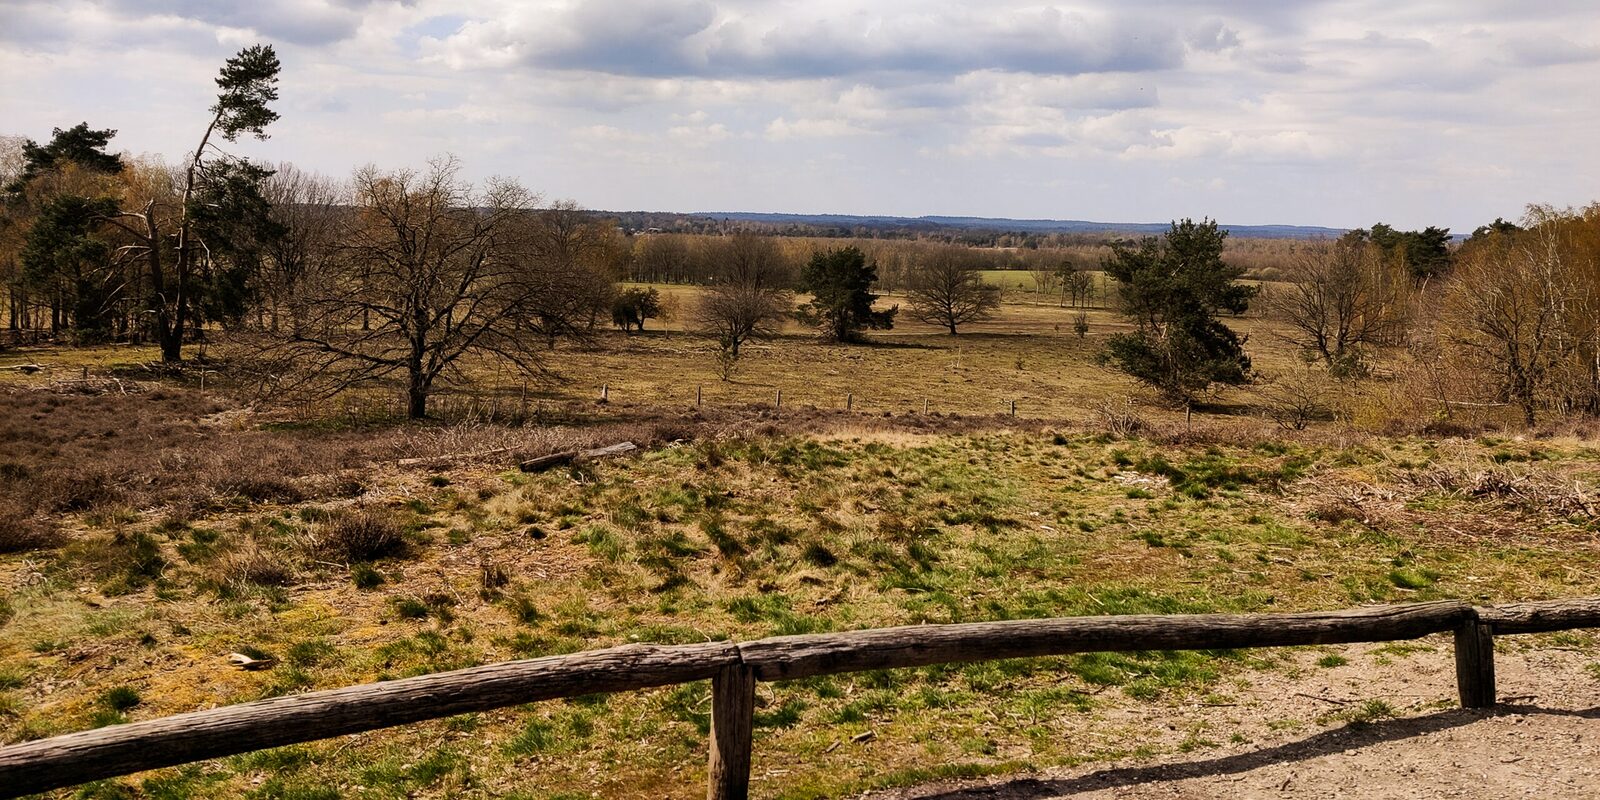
x: 1120, y: 420
x: 119, y: 698
x: 365, y: 576
x: 365, y: 535
x: 19, y: 533
x: 250, y: 564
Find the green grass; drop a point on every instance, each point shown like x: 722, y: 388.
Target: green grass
x: 743, y: 537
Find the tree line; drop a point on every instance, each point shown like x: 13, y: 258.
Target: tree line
x: 403, y: 274
x: 1510, y: 318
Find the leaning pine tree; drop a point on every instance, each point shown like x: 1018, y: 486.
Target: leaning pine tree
x: 1173, y: 290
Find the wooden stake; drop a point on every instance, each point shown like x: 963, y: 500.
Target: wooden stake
x: 697, y: 400
x: 733, y: 705
x: 1475, y: 664
x: 777, y: 400
x: 1013, y: 408
x: 924, y: 406
x: 849, y: 401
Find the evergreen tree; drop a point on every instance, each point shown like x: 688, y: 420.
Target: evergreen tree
x: 76, y: 145
x: 65, y: 258
x: 840, y: 282
x: 1173, y: 290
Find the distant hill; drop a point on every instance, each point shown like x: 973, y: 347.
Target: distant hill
x: 1004, y: 225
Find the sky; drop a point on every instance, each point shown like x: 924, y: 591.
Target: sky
x: 1340, y: 113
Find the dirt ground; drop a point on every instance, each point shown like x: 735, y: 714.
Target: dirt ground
x: 1542, y: 741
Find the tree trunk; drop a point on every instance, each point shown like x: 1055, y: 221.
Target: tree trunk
x: 420, y: 381
x: 416, y: 400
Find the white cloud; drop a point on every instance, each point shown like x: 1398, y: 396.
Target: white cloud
x: 1332, y: 111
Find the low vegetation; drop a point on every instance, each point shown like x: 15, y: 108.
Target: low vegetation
x: 737, y: 525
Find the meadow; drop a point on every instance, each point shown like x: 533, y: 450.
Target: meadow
x: 152, y: 528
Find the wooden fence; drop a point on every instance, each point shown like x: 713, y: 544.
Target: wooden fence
x: 735, y: 668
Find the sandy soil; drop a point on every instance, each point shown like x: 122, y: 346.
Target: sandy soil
x: 1300, y: 741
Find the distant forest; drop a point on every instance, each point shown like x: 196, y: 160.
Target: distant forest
x: 971, y: 231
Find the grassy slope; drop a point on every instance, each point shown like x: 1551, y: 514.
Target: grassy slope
x: 759, y: 533
x: 752, y: 537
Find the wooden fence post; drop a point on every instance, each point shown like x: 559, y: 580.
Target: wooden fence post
x: 849, y: 401
x: 777, y: 400
x: 1013, y: 408
x: 1475, y: 664
x: 733, y: 706
x: 697, y: 388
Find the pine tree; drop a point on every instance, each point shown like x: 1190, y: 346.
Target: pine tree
x: 840, y: 282
x: 1173, y: 290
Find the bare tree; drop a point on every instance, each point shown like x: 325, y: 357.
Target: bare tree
x: 310, y: 209
x: 1338, y: 301
x: 749, y: 297
x: 1046, y: 279
x: 948, y: 290
x: 12, y: 163
x: 575, y: 255
x: 1078, y: 284
x: 441, y: 269
x: 1508, y: 309
x: 660, y: 257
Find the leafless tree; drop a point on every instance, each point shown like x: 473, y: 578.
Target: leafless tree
x: 11, y: 231
x: 441, y: 269
x: 660, y: 257
x: 749, y: 297
x: 575, y: 254
x: 948, y: 290
x: 1509, y: 309
x: 1339, y: 300
x: 1046, y: 279
x: 1077, y: 284
x: 312, y: 210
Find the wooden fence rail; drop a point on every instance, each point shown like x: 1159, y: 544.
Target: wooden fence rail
x: 735, y: 668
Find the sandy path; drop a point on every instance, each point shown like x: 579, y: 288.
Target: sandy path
x: 1543, y: 741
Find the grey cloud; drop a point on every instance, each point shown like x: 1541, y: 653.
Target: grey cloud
x: 686, y: 38
x: 1213, y: 37
x: 302, y: 22
x: 622, y: 37
x: 1045, y: 41
x: 1550, y: 52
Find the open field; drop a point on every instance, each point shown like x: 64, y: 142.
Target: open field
x: 154, y: 530
x: 1028, y: 353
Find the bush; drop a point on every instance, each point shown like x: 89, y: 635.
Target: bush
x: 120, y: 698
x: 1120, y: 420
x: 249, y: 564
x: 365, y: 535
x: 364, y: 576
x: 20, y: 534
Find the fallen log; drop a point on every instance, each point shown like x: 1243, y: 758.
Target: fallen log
x: 574, y: 456
x: 449, y: 457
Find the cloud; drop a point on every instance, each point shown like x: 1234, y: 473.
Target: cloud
x: 658, y: 38
x: 1309, y: 109
x: 1551, y: 51
x: 782, y: 129
x: 299, y: 22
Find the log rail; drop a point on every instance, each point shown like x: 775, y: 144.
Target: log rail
x: 735, y: 668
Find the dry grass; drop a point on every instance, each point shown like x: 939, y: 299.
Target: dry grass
x: 193, y: 526
x: 360, y: 535
x: 747, y: 533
